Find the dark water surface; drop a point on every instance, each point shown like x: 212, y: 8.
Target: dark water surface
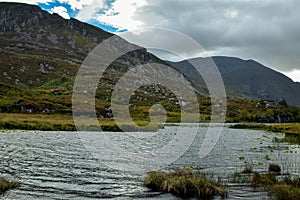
x: 56, y: 165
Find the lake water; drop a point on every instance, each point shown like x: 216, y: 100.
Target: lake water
x: 56, y: 165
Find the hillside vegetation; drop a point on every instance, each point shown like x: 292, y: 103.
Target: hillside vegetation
x: 49, y: 107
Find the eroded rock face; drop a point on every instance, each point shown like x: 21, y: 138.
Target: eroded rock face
x: 21, y: 22
x: 36, y: 39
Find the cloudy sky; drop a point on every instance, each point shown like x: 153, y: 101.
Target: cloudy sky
x: 264, y: 30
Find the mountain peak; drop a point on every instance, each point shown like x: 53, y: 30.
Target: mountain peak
x: 244, y: 78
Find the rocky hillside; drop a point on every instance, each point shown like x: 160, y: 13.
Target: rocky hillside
x: 36, y: 46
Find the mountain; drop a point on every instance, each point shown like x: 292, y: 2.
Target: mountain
x: 36, y: 47
x: 40, y: 50
x: 40, y: 54
x: 244, y: 79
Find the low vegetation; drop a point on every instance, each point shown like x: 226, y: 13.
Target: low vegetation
x: 291, y: 130
x: 279, y: 187
x: 60, y: 122
x: 286, y: 189
x: 185, y: 184
x: 247, y: 170
x: 274, y: 168
x: 261, y: 111
x: 6, y: 185
x: 53, y: 99
x: 36, y: 122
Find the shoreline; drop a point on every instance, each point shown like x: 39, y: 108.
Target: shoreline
x: 64, y: 122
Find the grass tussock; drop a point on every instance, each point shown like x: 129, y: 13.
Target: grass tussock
x: 247, y: 170
x: 6, y: 185
x: 274, y: 168
x: 185, y: 184
x: 285, y: 189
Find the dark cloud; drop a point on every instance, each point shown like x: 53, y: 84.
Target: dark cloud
x: 264, y: 30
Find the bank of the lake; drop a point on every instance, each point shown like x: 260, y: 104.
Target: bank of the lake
x: 60, y: 122
x: 291, y: 130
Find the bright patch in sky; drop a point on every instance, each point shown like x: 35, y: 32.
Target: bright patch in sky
x: 231, y: 13
x: 121, y: 14
x: 294, y: 75
x: 62, y: 11
x: 110, y: 15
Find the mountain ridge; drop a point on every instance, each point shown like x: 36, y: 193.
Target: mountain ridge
x: 37, y: 47
x: 245, y: 78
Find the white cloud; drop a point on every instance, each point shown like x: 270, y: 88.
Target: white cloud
x: 35, y: 2
x: 121, y: 14
x: 89, y: 11
x: 294, y: 75
x: 231, y: 13
x: 77, y: 4
x: 62, y: 11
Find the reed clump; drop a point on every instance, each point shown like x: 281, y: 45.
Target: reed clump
x: 185, y: 184
x: 6, y: 185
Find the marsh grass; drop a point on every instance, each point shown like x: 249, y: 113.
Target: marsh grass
x: 285, y: 189
x: 291, y: 130
x: 185, y: 184
x: 247, y: 170
x: 279, y: 187
x: 59, y: 122
x: 36, y: 122
x: 292, y: 138
x: 6, y: 185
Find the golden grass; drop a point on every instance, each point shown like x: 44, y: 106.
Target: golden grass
x: 36, y: 122
x: 59, y: 122
x: 292, y: 128
x: 185, y: 184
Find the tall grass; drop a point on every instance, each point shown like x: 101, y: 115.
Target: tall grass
x: 6, y: 185
x: 291, y: 128
x: 185, y: 184
x: 285, y: 189
x: 59, y: 122
x: 279, y: 187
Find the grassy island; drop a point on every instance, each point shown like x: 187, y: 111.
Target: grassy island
x: 185, y: 184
